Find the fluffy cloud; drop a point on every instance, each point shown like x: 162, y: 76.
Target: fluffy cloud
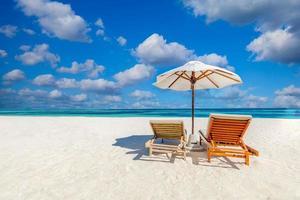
x: 14, y: 75
x: 44, y: 80
x: 217, y: 60
x: 66, y: 83
x: 122, y: 41
x: 270, y: 24
x: 29, y: 31
x: 253, y: 101
x: 278, y: 45
x: 79, y: 97
x: 112, y: 99
x: 231, y: 93
x: 134, y: 74
x: 25, y: 47
x: 156, y: 51
x: 99, y: 23
x: 40, y: 53
x: 145, y: 104
x: 56, y: 19
x: 54, y: 94
x: 214, y: 59
x: 32, y: 93
x: 100, y: 32
x: 288, y: 97
x: 98, y: 85
x: 9, y: 30
x: 89, y: 66
x: 3, y: 53
x: 142, y: 94
x: 235, y: 97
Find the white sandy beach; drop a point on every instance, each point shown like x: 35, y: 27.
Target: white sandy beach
x: 104, y: 158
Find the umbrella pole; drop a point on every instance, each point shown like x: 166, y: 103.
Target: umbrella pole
x: 193, y: 80
x: 193, y: 107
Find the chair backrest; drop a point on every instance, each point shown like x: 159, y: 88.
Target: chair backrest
x: 167, y: 129
x: 228, y: 129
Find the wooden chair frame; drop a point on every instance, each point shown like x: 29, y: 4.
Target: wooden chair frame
x: 224, y: 134
x: 167, y: 129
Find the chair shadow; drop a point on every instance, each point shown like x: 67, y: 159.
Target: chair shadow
x: 136, y: 146
x: 200, y: 158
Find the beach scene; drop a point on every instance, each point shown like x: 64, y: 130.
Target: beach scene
x: 181, y: 99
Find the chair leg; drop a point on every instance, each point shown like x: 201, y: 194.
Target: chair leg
x: 150, y: 151
x: 208, y: 155
x: 184, y: 155
x: 247, y: 160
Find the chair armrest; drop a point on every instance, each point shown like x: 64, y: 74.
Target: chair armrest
x: 185, y: 135
x: 149, y: 143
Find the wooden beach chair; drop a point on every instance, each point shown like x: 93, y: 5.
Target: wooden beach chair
x: 170, y: 130
x: 224, y: 137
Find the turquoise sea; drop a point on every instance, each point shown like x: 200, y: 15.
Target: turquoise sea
x: 257, y: 113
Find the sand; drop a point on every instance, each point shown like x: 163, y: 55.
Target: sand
x: 104, y: 158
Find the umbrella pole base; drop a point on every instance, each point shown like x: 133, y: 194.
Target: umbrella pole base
x: 193, y: 143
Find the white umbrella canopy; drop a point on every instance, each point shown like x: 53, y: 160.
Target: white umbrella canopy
x: 195, y: 75
x: 203, y: 75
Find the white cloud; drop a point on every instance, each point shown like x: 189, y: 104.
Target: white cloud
x: 34, y: 93
x: 134, y: 74
x: 142, y: 94
x: 112, y: 98
x: 145, y: 104
x: 97, y: 85
x: 231, y: 93
x: 156, y: 51
x: 29, y: 31
x: 66, y: 83
x: 235, y: 97
x: 253, y: 101
x: 89, y: 66
x: 44, y: 80
x: 54, y: 94
x: 122, y: 41
x: 288, y: 97
x: 56, y: 19
x: 274, y: 36
x: 216, y: 60
x: 9, y: 30
x: 79, y: 97
x: 3, y: 53
x: 99, y: 23
x: 290, y: 90
x: 100, y: 32
x: 40, y: 53
x: 14, y: 75
x: 25, y: 47
x: 278, y: 45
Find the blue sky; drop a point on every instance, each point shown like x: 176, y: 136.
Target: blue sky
x: 106, y: 54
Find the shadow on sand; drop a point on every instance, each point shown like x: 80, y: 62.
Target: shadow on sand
x: 136, y: 146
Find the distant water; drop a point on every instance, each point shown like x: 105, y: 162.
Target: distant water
x: 257, y: 113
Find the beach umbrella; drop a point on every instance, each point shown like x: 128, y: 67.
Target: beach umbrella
x: 195, y: 75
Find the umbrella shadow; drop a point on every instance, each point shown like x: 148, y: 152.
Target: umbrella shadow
x: 136, y: 146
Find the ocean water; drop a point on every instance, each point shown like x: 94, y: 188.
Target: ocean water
x: 256, y: 113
